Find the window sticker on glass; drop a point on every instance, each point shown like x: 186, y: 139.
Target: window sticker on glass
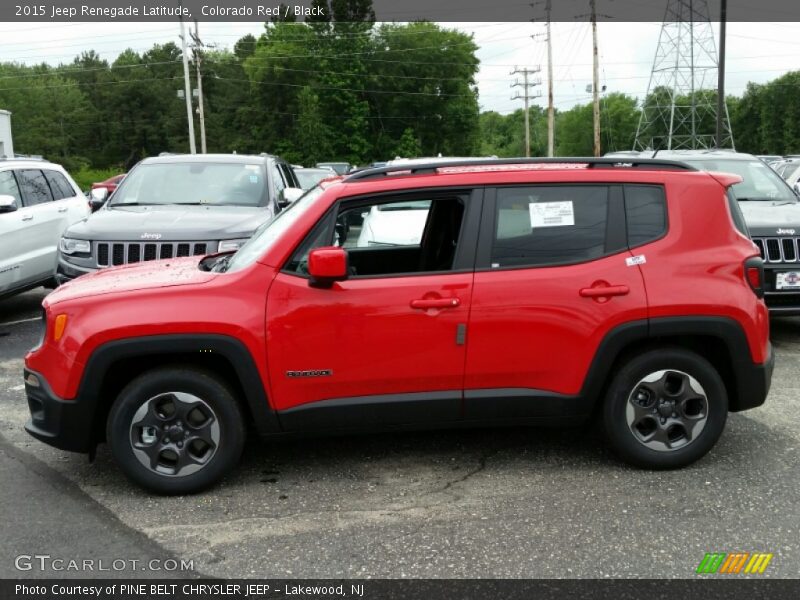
x: 551, y: 214
x: 253, y: 178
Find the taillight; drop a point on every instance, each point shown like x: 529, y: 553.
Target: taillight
x: 754, y: 274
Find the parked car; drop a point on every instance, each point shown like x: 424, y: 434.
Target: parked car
x: 769, y: 158
x: 792, y: 177
x: 38, y: 201
x: 772, y: 212
x: 341, y: 168
x: 178, y: 205
x: 109, y: 184
x: 308, y: 177
x: 548, y: 294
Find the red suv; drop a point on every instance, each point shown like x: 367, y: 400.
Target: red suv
x: 528, y: 291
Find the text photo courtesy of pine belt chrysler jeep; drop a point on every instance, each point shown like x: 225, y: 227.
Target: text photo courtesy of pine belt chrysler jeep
x: 540, y: 291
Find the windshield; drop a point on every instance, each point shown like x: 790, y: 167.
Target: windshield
x: 760, y: 181
x: 270, y: 231
x: 216, y: 184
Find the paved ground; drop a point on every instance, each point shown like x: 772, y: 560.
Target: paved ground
x: 488, y: 503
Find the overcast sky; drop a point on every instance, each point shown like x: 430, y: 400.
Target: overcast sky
x: 757, y: 52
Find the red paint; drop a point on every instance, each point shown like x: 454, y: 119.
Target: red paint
x: 528, y: 327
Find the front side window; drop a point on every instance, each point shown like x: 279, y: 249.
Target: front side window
x: 390, y: 237
x: 547, y: 225
x: 34, y: 187
x: 280, y: 185
x: 9, y: 187
x: 193, y: 183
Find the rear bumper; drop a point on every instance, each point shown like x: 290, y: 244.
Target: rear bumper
x: 64, y: 424
x: 754, y: 381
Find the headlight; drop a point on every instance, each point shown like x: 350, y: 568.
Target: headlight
x: 68, y: 246
x: 228, y: 245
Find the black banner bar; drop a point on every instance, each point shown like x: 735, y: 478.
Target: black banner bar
x: 385, y: 10
x: 708, y: 588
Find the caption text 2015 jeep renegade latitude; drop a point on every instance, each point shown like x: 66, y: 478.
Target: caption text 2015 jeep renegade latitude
x: 536, y: 292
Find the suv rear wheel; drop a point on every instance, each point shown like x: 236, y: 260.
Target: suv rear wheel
x: 176, y: 430
x: 666, y: 408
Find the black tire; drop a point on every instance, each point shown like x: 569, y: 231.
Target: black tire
x: 216, y: 401
x: 627, y: 440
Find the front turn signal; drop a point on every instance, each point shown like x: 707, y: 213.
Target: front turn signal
x: 59, y: 327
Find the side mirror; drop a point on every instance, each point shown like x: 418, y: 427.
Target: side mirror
x: 289, y: 195
x: 7, y: 204
x: 98, y: 197
x: 326, y: 265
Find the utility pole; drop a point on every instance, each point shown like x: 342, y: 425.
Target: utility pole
x: 595, y: 81
x: 551, y: 112
x: 721, y: 106
x: 197, y: 46
x: 526, y: 85
x: 187, y: 90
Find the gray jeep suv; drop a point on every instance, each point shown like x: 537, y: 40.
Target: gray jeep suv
x: 179, y: 205
x: 771, y: 211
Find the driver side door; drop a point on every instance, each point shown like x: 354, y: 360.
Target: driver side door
x: 387, y: 346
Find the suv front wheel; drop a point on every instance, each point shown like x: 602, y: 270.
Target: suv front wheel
x: 175, y: 430
x: 665, y: 408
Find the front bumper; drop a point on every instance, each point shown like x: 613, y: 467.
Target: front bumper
x: 66, y: 271
x: 64, y: 424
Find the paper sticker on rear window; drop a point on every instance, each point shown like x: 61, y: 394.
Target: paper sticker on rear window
x: 551, y: 214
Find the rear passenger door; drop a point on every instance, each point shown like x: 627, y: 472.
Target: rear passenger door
x: 553, y: 277
x: 70, y: 204
x: 40, y: 225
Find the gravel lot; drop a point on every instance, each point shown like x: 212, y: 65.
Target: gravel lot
x: 485, y: 503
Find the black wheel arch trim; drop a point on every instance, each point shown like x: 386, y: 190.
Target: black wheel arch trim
x: 751, y: 380
x: 229, y: 348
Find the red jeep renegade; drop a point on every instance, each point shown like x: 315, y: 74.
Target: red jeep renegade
x: 449, y: 294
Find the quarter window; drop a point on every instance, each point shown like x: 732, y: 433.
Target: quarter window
x: 34, y: 187
x: 546, y: 225
x: 9, y: 187
x: 645, y: 213
x: 59, y: 185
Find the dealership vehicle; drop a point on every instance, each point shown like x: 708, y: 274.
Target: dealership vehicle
x: 341, y: 168
x: 539, y: 291
x: 38, y: 201
x: 109, y: 184
x: 769, y: 158
x: 771, y: 210
x: 178, y: 205
x: 308, y: 177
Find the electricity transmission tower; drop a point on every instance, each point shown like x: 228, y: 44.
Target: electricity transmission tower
x: 680, y: 109
x: 526, y: 84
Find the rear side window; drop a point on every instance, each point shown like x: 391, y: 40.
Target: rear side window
x: 645, y: 213
x: 34, y: 187
x: 9, y: 187
x: 546, y: 225
x: 59, y: 185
